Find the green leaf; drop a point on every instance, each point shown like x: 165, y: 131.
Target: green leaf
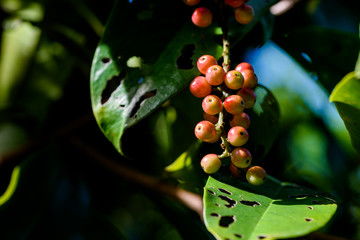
x: 346, y: 96
x: 167, y: 50
x: 272, y: 210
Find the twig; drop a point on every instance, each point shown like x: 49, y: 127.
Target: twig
x: 189, y: 199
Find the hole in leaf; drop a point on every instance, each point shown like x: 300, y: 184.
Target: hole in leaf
x: 122, y: 105
x: 184, y: 61
x: 111, y: 85
x: 308, y: 219
x: 225, y: 221
x: 224, y: 191
x: 311, y: 208
x: 231, y: 203
x: 300, y: 196
x: 211, y: 192
x: 106, y: 60
x: 214, y: 215
x: 261, y: 237
x: 238, y: 235
x: 250, y: 203
x: 147, y: 95
x: 218, y: 205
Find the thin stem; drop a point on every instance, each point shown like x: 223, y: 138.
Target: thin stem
x: 225, y: 54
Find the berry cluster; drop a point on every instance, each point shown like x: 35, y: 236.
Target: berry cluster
x: 225, y: 97
x: 202, y: 16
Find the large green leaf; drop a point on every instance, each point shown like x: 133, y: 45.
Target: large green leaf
x: 272, y: 210
x: 346, y: 96
x: 146, y: 56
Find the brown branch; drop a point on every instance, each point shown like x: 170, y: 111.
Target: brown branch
x: 189, y: 199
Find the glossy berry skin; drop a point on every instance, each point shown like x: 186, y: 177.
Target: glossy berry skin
x: 256, y: 175
x: 236, y: 172
x: 249, y: 96
x: 237, y: 136
x: 234, y: 104
x: 234, y: 80
x: 199, y: 87
x: 250, y: 79
x: 234, y: 3
x: 204, y: 62
x: 210, y: 163
x: 215, y: 75
x: 191, y: 2
x: 241, y: 157
x: 244, y: 14
x: 244, y: 66
x: 205, y: 131
x: 202, y: 17
x: 241, y: 120
x: 212, y: 104
x: 215, y: 139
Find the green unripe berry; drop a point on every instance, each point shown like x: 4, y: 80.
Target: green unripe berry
x: 205, y: 131
x: 234, y: 80
x: 237, y: 136
x: 256, y: 175
x: 241, y: 157
x: 212, y: 104
x: 215, y: 75
x: 210, y: 163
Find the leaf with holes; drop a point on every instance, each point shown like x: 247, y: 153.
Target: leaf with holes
x: 270, y: 211
x: 346, y: 96
x: 147, y: 54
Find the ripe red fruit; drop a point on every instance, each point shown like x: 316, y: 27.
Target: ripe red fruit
x: 202, y: 17
x: 210, y: 163
x: 241, y: 120
x: 236, y: 172
x: 234, y: 3
x: 214, y: 139
x: 215, y: 75
x: 212, y: 104
x: 234, y: 80
x: 241, y: 157
x: 205, y: 131
x: 234, y: 104
x: 250, y: 78
x: 191, y: 2
x: 204, y: 62
x: 244, y: 14
x: 211, y: 118
x: 237, y: 136
x: 243, y: 66
x: 248, y: 95
x: 256, y: 175
x: 199, y: 87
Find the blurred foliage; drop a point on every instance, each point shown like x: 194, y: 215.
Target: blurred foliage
x: 46, y: 52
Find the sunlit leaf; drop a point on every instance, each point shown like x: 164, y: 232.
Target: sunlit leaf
x: 270, y: 211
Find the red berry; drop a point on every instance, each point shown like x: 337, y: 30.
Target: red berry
x: 237, y: 136
x: 244, y: 14
x: 191, y: 2
x: 234, y: 104
x: 241, y: 120
x: 215, y: 75
x: 210, y: 163
x: 204, y: 62
x: 211, y: 118
x: 205, y: 131
x: 256, y: 175
x: 212, y: 104
x: 243, y: 66
x: 202, y: 17
x: 234, y: 80
x: 236, y: 172
x: 248, y: 95
x: 234, y: 3
x: 199, y: 87
x: 250, y: 78
x: 241, y: 157
x: 215, y: 139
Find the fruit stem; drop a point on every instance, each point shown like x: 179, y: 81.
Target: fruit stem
x: 225, y: 54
